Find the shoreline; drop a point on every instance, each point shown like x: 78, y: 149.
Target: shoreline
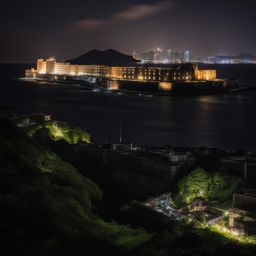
x: 84, y: 85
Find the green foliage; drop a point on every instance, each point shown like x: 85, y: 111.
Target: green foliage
x: 56, y: 130
x: 201, y: 218
x: 46, y: 205
x: 33, y: 129
x: 47, y: 209
x: 194, y: 185
x: 60, y: 131
x: 120, y: 235
x: 200, y: 184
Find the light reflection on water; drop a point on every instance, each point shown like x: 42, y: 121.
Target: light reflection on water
x: 226, y: 121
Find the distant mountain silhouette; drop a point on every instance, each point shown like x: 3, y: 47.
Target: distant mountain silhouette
x: 109, y: 56
x: 247, y: 56
x: 241, y: 56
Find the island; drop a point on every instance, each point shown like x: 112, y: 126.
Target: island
x: 181, y: 78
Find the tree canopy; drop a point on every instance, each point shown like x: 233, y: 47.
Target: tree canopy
x: 210, y: 186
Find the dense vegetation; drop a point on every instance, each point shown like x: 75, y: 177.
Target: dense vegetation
x: 60, y: 130
x: 46, y: 205
x: 47, y: 209
x: 211, y: 187
x: 55, y: 129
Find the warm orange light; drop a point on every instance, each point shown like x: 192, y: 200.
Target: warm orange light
x: 140, y: 77
x: 205, y: 75
x: 112, y: 85
x: 165, y: 86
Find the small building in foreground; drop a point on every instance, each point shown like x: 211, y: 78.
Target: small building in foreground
x: 242, y: 216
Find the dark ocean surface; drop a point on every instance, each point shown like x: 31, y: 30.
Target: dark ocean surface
x: 227, y: 121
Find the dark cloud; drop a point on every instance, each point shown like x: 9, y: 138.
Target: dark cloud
x: 133, y: 12
x: 68, y: 28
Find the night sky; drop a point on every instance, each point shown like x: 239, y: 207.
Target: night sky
x: 32, y: 29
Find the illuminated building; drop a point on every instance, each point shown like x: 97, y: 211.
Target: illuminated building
x: 164, y: 56
x: 163, y: 75
x: 186, y: 56
x: 165, y: 86
x: 169, y: 56
x: 152, y: 56
x: 177, y: 57
x: 41, y: 66
x: 50, y: 66
x: 205, y: 74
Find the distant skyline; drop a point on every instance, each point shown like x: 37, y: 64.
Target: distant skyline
x: 68, y: 29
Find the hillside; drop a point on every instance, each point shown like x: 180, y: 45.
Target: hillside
x: 47, y: 209
x: 46, y: 205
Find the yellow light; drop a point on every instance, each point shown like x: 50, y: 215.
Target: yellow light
x: 165, y: 86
